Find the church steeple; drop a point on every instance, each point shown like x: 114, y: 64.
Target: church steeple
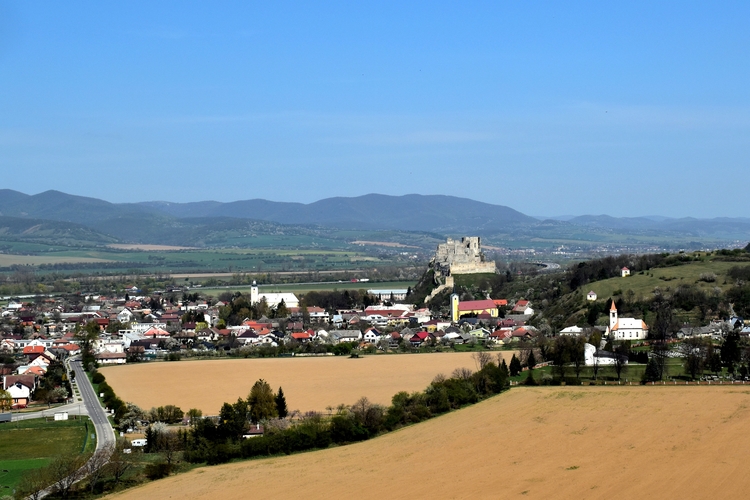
x: 612, y: 315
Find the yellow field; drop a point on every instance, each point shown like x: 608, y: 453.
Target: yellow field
x: 584, y: 442
x: 308, y: 383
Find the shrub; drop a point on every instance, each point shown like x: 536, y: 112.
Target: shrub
x: 97, y: 377
x: 157, y: 470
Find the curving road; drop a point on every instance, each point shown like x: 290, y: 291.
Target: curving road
x: 105, y: 435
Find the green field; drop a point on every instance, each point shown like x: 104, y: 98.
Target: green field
x: 31, y: 444
x: 642, y: 284
x: 316, y: 287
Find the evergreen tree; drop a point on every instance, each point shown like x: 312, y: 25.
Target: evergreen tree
x: 515, y: 366
x: 531, y: 362
x: 504, y: 369
x: 150, y: 440
x: 281, y: 408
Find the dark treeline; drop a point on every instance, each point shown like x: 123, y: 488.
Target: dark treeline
x: 221, y: 441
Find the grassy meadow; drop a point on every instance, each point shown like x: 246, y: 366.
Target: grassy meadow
x: 31, y: 444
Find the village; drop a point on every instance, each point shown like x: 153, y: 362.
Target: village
x: 162, y: 326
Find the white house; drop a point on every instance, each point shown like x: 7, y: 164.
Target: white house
x: 591, y: 296
x: 20, y: 394
x: 593, y: 356
x: 625, y: 328
x: 572, y: 330
x: 125, y: 316
x: 624, y: 272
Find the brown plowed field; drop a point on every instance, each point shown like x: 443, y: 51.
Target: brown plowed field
x: 603, y: 442
x: 308, y: 383
x: 584, y: 442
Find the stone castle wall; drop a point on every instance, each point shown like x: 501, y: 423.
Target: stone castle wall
x: 461, y: 257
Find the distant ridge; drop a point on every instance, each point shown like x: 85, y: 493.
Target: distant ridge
x: 438, y: 215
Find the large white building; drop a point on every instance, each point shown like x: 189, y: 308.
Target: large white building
x: 273, y: 299
x: 625, y: 328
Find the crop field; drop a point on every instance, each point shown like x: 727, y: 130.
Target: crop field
x: 313, y: 383
x: 172, y: 260
x: 309, y: 287
x: 31, y: 444
x: 550, y: 442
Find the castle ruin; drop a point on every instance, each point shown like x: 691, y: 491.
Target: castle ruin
x: 461, y: 257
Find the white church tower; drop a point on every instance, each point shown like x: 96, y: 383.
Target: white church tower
x: 612, y: 316
x: 254, y: 298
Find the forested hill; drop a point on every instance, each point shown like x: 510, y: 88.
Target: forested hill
x: 437, y: 215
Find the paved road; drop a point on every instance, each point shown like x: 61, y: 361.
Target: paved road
x: 72, y: 409
x: 105, y: 436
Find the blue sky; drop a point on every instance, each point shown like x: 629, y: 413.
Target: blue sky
x: 550, y: 108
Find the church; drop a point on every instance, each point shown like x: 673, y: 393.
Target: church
x: 625, y: 328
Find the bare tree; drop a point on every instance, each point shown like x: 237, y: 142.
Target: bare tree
x: 64, y: 472
x: 481, y: 358
x: 96, y: 467
x: 119, y: 463
x: 32, y: 484
x: 462, y: 373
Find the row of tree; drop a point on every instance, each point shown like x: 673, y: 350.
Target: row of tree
x: 217, y: 442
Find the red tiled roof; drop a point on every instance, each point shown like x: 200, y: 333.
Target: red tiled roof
x: 476, y: 305
x: 33, y: 349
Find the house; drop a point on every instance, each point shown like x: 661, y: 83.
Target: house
x: 372, y: 336
x: 523, y: 307
x: 338, y: 336
x: 593, y: 356
x: 421, y: 337
x: 125, y: 316
x: 624, y: 272
x: 20, y: 388
x: 111, y: 358
x: 501, y: 335
x: 572, y: 330
x: 625, y: 328
x: 591, y: 296
x: 20, y: 394
x: 480, y: 333
x: 318, y: 315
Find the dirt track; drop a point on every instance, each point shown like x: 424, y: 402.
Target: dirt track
x: 618, y: 442
x: 308, y: 383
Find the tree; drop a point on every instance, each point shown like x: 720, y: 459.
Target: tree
x: 577, y: 350
x: 515, y: 366
x: 194, y: 414
x: 130, y: 417
x: 281, y: 310
x: 561, y: 355
x: 481, y: 358
x: 32, y: 484
x: 262, y: 402
x: 531, y: 360
x: 119, y: 463
x: 6, y: 401
x: 695, y: 356
x: 619, y: 360
x: 95, y: 468
x: 64, y: 472
x: 281, y: 408
x: 730, y: 350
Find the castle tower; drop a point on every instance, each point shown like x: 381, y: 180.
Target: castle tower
x: 612, y: 315
x: 254, y: 297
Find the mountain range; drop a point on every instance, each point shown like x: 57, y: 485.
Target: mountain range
x: 157, y: 221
